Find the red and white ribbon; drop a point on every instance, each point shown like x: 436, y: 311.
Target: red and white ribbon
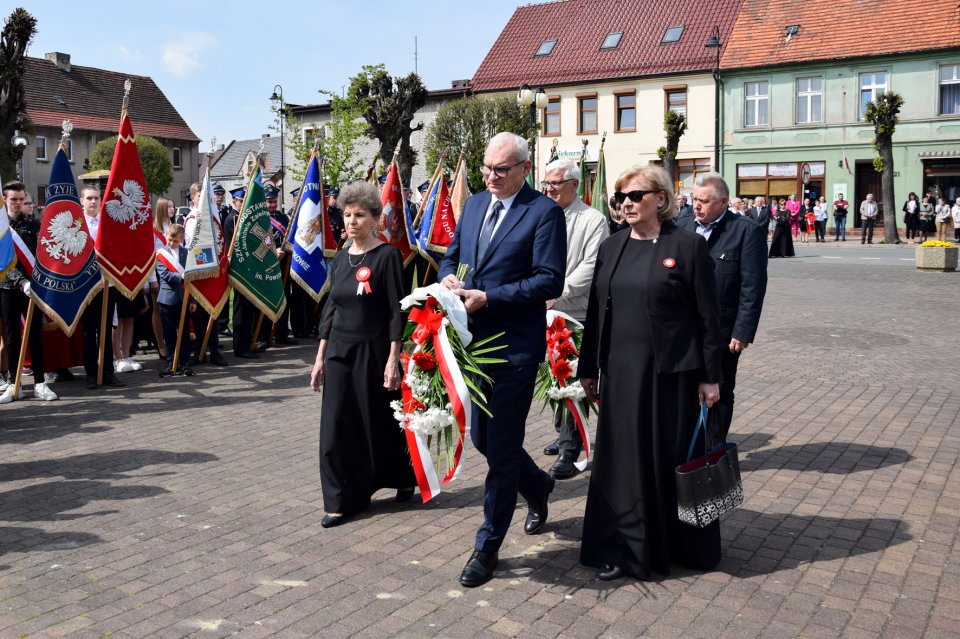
x: 24, y: 256
x: 557, y: 332
x: 168, y: 259
x: 432, y: 324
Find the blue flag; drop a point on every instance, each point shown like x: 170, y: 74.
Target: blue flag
x: 430, y: 206
x: 308, y: 231
x: 8, y: 257
x: 66, y: 276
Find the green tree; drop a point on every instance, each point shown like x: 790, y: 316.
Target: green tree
x: 296, y: 146
x: 154, y: 158
x: 16, y: 36
x: 467, y: 124
x: 675, y: 125
x: 884, y: 113
x: 345, y: 126
x: 390, y: 106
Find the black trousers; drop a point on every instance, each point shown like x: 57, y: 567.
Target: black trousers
x: 201, y: 319
x: 13, y: 304
x: 569, y: 437
x: 244, y: 318
x: 820, y: 228
x: 90, y: 322
x: 721, y: 415
x: 867, y: 232
x: 170, y: 318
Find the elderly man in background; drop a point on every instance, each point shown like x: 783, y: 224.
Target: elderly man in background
x: 586, y: 229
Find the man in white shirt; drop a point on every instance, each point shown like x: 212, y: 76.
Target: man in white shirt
x: 586, y: 229
x: 90, y: 321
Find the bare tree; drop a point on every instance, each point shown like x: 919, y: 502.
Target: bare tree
x: 884, y: 113
x: 675, y: 125
x: 16, y: 36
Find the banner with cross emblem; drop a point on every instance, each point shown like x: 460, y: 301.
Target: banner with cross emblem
x: 254, y: 268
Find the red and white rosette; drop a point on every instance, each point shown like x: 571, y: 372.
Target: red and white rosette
x: 440, y: 308
x: 557, y: 334
x: 363, y: 280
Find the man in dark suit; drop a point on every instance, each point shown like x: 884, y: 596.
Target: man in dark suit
x: 761, y: 212
x: 515, y: 240
x: 738, y: 247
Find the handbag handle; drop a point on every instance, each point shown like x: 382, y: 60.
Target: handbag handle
x: 701, y: 423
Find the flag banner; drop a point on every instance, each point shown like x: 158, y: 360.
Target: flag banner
x: 428, y: 211
x: 66, y: 275
x: 582, y: 191
x: 394, y: 229
x: 254, y: 268
x: 24, y: 256
x: 439, y: 234
x: 598, y: 197
x: 309, y: 229
x: 460, y: 191
x: 212, y: 292
x: 8, y: 255
x: 204, y: 245
x: 125, y: 247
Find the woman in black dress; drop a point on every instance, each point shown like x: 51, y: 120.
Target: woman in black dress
x: 362, y: 449
x: 652, y: 337
x: 782, y: 243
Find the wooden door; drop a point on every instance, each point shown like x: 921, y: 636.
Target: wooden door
x: 866, y: 180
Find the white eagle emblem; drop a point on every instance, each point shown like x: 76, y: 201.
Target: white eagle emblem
x: 66, y: 237
x: 131, y: 207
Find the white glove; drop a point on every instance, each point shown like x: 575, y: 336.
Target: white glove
x: 26, y: 288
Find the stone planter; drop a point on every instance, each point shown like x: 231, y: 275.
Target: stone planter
x: 937, y: 258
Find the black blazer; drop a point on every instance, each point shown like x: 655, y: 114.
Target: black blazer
x: 761, y: 215
x: 681, y: 304
x: 739, y: 249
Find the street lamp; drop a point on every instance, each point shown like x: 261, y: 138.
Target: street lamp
x: 535, y: 100
x: 281, y: 112
x: 19, y: 142
x: 714, y: 43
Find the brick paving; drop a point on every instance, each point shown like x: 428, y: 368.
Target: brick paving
x: 191, y: 508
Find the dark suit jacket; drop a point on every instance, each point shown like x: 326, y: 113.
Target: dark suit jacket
x: 171, y: 284
x: 681, y: 304
x: 738, y: 246
x: 523, y: 268
x: 761, y: 214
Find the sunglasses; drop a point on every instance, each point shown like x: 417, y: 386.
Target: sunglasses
x: 635, y: 196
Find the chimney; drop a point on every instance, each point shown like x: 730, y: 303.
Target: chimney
x: 62, y: 60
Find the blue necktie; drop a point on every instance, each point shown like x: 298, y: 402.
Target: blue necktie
x: 486, y: 233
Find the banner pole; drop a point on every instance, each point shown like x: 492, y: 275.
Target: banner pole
x: 23, y: 348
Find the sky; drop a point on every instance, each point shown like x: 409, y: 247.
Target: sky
x: 218, y: 62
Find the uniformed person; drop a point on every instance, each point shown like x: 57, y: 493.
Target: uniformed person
x: 279, y: 222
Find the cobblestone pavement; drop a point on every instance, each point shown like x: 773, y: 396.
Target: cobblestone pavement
x: 191, y: 507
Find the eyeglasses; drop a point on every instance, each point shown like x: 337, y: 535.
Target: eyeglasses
x: 554, y: 184
x: 635, y: 196
x: 499, y: 171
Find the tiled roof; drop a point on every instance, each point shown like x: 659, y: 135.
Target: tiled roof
x: 91, y: 99
x: 231, y: 160
x: 580, y: 26
x: 833, y: 29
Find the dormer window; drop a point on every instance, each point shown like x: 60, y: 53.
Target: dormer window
x: 546, y: 48
x: 612, y: 41
x: 672, y: 34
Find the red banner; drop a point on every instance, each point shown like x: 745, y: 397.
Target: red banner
x: 125, y: 240
x: 443, y: 223
x: 393, y: 221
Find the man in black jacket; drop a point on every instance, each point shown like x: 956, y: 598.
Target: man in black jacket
x: 739, y: 250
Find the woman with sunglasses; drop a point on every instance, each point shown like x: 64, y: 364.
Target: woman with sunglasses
x: 650, y: 354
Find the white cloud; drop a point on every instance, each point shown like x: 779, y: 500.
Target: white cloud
x: 181, y: 57
x: 133, y: 55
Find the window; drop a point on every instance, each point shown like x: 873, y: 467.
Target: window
x: 587, y: 113
x: 687, y: 171
x: 612, y: 41
x: 551, y: 116
x: 809, y: 100
x: 676, y: 99
x: 672, y: 34
x: 41, y: 198
x: 41, y: 147
x: 871, y: 85
x: 756, y: 108
x: 177, y: 158
x: 626, y: 111
x: 950, y: 89
x: 309, y: 137
x: 546, y: 47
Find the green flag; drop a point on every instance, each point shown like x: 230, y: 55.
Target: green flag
x: 254, y: 268
x: 582, y: 191
x: 599, y: 196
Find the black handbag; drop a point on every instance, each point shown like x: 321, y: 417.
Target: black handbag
x: 708, y: 486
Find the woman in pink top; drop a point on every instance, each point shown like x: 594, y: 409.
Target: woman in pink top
x: 793, y: 207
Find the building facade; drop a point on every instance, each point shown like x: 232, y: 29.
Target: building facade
x: 56, y: 90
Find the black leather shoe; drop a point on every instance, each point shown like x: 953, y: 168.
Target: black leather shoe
x: 247, y: 355
x: 537, y: 512
x: 285, y: 341
x: 217, y: 359
x: 111, y: 380
x: 404, y: 494
x: 563, y: 468
x: 552, y: 449
x: 188, y: 371
x: 329, y: 521
x: 92, y: 382
x: 479, y: 569
x: 60, y: 375
x: 166, y: 372
x: 259, y: 347
x: 609, y: 572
